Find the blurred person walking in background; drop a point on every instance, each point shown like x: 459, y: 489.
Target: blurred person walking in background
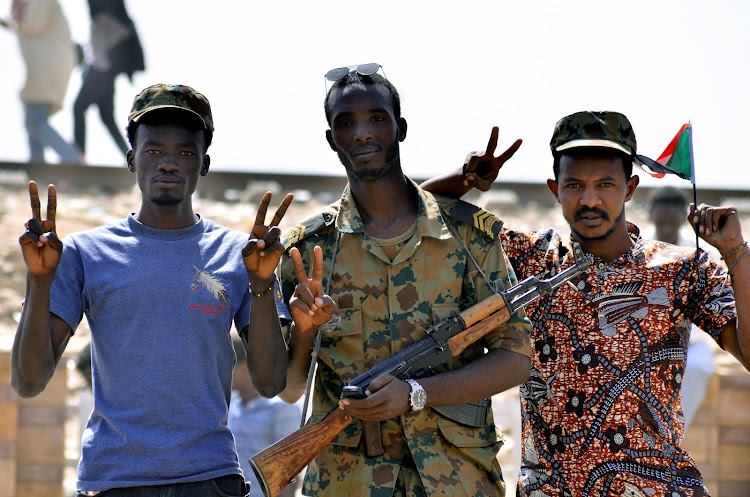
x: 115, y: 49
x: 49, y: 55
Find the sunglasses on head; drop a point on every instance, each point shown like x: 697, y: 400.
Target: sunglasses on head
x: 363, y: 70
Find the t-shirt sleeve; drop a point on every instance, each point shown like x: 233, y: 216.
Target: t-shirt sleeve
x: 67, y: 300
x: 712, y: 304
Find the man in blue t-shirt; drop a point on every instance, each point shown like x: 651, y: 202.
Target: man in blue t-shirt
x: 160, y: 290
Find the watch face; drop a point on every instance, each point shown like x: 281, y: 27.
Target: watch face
x: 419, y: 398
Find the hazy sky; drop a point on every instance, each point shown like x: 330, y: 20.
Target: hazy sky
x: 460, y: 70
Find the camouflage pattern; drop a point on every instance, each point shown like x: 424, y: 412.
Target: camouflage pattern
x: 385, y: 306
x: 594, y: 129
x: 163, y: 96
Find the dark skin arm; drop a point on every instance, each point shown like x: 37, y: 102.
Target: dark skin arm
x: 479, y: 171
x: 267, y: 358
x: 310, y: 309
x: 720, y: 226
x: 388, y: 397
x: 41, y: 337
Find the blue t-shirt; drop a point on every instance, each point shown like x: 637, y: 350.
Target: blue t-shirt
x: 160, y: 304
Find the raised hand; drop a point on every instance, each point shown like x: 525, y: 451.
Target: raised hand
x: 719, y: 226
x: 310, y: 306
x: 40, y: 245
x: 263, y: 250
x: 481, y: 168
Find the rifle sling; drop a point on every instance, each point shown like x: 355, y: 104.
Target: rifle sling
x: 316, y: 347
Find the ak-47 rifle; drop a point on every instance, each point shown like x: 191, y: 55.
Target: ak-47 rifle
x: 277, y: 465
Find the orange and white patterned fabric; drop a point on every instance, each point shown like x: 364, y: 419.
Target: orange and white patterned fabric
x: 601, y: 412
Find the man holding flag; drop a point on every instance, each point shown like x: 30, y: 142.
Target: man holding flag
x: 601, y: 412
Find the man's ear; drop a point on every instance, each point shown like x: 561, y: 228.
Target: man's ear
x: 402, y: 129
x: 206, y: 164
x: 329, y: 138
x: 129, y: 158
x: 552, y: 185
x: 631, y: 185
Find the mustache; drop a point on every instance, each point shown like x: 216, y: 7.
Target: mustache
x: 591, y: 210
x: 167, y: 177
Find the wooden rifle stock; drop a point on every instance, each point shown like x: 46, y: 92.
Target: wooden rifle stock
x: 277, y: 465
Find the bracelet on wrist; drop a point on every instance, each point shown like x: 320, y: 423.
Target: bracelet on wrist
x: 736, y: 260
x: 735, y: 249
x: 259, y: 294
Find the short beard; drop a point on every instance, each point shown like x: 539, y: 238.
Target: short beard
x: 165, y: 200
x: 603, y: 237
x: 369, y: 175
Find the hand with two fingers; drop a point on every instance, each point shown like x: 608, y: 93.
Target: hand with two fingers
x: 481, y: 168
x: 263, y: 250
x: 40, y: 245
x: 387, y: 398
x: 310, y: 306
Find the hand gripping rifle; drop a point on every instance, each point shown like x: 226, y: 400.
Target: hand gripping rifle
x: 280, y: 463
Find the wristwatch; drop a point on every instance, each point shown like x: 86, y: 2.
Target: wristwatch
x: 417, y: 397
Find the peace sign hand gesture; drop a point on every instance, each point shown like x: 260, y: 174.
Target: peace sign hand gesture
x: 481, y: 168
x: 310, y: 306
x: 263, y: 250
x: 40, y: 245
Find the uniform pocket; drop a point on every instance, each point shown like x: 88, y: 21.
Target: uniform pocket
x: 341, y: 346
x: 468, y: 436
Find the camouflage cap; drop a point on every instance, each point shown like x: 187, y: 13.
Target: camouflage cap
x: 163, y: 96
x: 594, y: 129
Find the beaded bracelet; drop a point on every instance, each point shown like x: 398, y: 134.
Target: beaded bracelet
x: 738, y: 259
x: 259, y: 294
x: 735, y: 249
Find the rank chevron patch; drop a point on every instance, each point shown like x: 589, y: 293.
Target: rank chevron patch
x: 484, y: 220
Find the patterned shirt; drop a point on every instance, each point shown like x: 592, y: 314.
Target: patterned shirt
x: 601, y: 412
x: 384, y: 306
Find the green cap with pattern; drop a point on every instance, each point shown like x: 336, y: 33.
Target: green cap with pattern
x: 163, y: 96
x: 594, y: 129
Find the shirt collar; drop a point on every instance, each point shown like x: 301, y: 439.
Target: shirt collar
x: 635, y: 253
x: 429, y: 221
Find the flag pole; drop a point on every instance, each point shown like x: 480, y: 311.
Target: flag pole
x: 692, y: 180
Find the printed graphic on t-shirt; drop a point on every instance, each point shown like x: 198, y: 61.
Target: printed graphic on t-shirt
x: 204, y: 279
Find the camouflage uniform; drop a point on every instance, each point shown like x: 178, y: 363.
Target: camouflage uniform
x: 384, y: 307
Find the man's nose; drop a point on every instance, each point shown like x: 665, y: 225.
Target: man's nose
x: 590, y: 197
x: 363, y: 132
x: 169, y: 163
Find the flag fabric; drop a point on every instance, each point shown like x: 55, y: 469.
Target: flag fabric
x: 677, y: 158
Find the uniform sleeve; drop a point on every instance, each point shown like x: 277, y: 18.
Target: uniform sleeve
x: 711, y: 305
x: 514, y: 334
x: 67, y: 300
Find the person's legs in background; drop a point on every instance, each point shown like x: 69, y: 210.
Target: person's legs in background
x: 98, y: 87
x: 42, y: 134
